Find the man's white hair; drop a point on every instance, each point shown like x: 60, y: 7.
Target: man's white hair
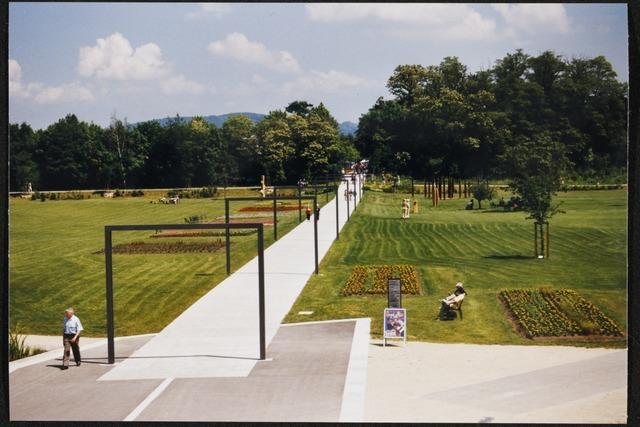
x: 69, y: 310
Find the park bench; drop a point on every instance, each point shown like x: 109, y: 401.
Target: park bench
x: 457, y: 306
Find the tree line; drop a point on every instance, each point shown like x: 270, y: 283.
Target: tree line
x: 301, y: 141
x: 445, y: 121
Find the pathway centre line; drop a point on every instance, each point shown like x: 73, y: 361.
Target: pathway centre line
x: 147, y: 401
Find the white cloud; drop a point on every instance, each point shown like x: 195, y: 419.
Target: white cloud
x: 15, y: 70
x: 534, y: 18
x: 238, y: 47
x: 216, y: 10
x: 114, y: 58
x: 457, y: 21
x: 317, y: 82
x: 179, y: 84
x: 71, y: 92
x: 41, y: 94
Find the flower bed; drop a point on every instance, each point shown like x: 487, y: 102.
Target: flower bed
x: 372, y: 279
x: 270, y: 208
x: 216, y: 233
x: 166, y: 248
x: 555, y: 313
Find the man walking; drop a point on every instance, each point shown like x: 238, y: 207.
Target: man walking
x: 71, y: 329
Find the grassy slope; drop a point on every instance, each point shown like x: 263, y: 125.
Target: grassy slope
x: 486, y: 250
x: 53, y: 265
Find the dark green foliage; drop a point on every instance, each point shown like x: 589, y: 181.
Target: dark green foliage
x: 453, y: 123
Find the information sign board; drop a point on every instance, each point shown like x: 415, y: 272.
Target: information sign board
x: 394, y: 293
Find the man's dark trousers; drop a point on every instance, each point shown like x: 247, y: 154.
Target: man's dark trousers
x: 68, y: 345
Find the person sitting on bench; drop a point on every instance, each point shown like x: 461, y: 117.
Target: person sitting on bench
x: 452, y: 302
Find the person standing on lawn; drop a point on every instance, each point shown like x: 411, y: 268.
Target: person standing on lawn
x: 71, y: 328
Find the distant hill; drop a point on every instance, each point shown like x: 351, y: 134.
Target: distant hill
x: 216, y: 120
x: 346, y: 128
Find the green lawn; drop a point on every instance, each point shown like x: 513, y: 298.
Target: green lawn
x: 487, y: 250
x: 53, y: 263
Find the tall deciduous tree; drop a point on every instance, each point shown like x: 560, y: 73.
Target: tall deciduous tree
x: 22, y: 150
x: 129, y: 147
x: 274, y: 145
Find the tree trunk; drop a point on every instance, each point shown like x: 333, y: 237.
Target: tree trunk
x: 542, y: 239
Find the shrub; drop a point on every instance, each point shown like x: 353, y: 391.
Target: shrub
x: 17, y: 347
x: 137, y: 193
x: 75, y: 195
x: 118, y: 193
x: 206, y: 192
x: 482, y: 192
x: 194, y: 219
x: 42, y: 197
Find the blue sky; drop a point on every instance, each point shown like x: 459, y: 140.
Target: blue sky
x: 144, y: 61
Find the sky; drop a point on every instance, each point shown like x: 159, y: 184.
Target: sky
x: 146, y: 61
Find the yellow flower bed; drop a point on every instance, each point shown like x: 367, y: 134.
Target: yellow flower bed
x: 554, y: 313
x: 372, y: 279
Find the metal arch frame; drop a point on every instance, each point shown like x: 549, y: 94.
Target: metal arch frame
x: 108, y: 231
x: 275, y: 221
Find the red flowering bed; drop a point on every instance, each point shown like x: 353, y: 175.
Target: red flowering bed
x: 270, y: 208
x: 201, y: 233
x: 166, y: 248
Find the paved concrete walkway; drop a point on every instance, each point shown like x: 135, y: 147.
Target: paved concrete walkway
x: 466, y: 383
x: 218, y: 335
x: 314, y: 375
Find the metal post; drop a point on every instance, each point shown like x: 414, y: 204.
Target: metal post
x: 315, y: 230
x: 348, y: 197
x: 263, y: 341
x: 355, y: 195
x: 108, y: 265
x: 547, y: 238
x: 275, y: 214
x: 299, y: 204
x: 227, y: 236
x: 326, y: 191
x: 337, y: 213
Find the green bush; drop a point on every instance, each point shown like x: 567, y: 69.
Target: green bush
x: 194, y: 219
x: 17, y: 347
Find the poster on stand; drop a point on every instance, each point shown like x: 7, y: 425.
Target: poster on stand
x: 395, y: 324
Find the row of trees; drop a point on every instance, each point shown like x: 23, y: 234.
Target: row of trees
x: 443, y: 120
x: 299, y: 142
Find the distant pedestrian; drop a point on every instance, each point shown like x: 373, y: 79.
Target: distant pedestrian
x: 308, y: 212
x: 71, y: 328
